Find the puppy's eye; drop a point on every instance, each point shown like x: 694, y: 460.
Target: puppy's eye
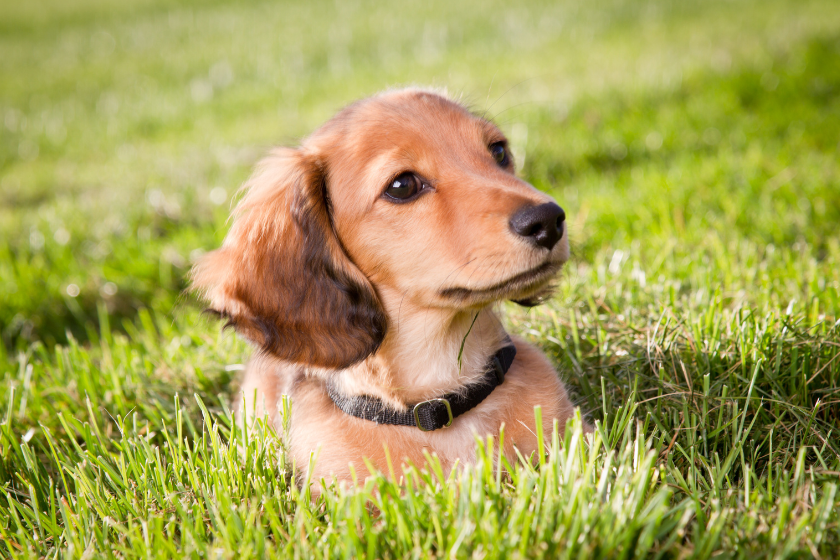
x: 404, y: 187
x: 499, y: 153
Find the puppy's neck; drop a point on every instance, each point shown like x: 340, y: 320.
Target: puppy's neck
x: 426, y: 353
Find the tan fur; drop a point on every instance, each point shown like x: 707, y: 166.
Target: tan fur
x: 331, y: 280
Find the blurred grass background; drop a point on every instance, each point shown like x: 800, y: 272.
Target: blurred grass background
x: 128, y: 126
x: 693, y: 145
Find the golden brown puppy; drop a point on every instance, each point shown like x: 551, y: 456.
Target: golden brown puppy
x: 364, y: 266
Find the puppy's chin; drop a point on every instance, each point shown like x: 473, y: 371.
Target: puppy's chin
x: 535, y: 297
x: 530, y: 302
x: 528, y: 288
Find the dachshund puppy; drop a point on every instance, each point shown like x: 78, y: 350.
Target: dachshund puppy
x: 364, y: 266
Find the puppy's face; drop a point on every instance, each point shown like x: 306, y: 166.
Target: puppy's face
x: 424, y: 199
x: 403, y: 195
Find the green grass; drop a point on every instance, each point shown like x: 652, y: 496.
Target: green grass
x: 694, y: 147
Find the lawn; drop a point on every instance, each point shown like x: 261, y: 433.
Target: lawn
x: 695, y: 147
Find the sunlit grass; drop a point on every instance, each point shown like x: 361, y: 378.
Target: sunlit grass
x: 693, y: 146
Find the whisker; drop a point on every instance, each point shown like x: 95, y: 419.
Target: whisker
x: 508, y: 90
x: 456, y: 270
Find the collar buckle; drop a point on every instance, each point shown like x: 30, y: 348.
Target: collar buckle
x: 430, y: 414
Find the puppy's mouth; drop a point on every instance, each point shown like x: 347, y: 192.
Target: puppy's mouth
x: 526, y: 288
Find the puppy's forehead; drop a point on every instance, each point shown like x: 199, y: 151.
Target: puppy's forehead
x: 406, y: 124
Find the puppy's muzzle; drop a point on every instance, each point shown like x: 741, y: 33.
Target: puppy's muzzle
x: 541, y: 225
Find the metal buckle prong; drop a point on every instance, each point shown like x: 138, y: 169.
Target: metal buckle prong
x: 431, y: 401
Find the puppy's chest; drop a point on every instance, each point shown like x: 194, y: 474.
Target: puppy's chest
x: 340, y: 438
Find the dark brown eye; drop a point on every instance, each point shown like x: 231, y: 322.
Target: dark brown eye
x: 404, y: 187
x: 499, y: 153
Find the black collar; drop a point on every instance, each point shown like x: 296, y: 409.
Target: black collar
x: 435, y: 413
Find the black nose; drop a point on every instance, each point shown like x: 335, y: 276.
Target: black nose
x: 542, y: 224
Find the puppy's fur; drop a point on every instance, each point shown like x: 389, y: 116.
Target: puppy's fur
x: 332, y: 279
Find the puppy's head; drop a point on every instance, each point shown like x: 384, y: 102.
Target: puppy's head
x: 402, y: 196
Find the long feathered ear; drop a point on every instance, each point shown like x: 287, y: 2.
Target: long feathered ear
x: 282, y: 278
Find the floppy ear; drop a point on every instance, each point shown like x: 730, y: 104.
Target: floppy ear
x: 282, y: 278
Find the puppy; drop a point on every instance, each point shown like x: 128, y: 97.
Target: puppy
x: 364, y: 266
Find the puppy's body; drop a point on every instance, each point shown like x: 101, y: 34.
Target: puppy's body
x: 317, y: 424
x: 370, y: 259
